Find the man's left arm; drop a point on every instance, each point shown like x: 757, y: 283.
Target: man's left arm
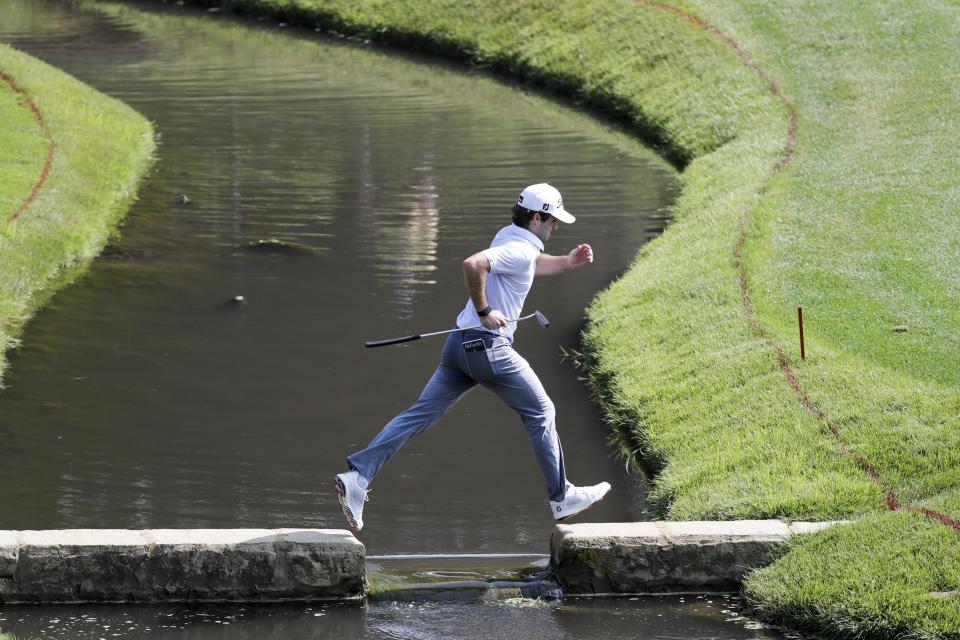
x: 548, y: 265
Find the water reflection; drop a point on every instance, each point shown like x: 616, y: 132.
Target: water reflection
x: 406, y: 242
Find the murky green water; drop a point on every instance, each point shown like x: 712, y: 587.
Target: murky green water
x: 424, y: 598
x: 143, y: 397
x: 692, y: 617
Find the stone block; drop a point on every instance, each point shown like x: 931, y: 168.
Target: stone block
x: 798, y: 528
x: 181, y: 565
x: 652, y: 557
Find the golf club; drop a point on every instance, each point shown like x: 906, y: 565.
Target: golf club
x: 542, y: 319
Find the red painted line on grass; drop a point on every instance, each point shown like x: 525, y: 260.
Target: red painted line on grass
x: 936, y: 515
x: 51, y: 147
x: 893, y: 502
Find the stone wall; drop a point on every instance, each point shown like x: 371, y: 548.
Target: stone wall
x: 185, y: 565
x: 657, y: 557
x: 175, y: 565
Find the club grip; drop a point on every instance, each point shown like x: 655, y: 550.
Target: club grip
x: 382, y: 343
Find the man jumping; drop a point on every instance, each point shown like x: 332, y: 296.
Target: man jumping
x: 498, y: 280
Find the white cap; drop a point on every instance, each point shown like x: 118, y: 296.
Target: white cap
x: 544, y: 198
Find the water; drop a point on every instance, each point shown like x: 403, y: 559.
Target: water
x: 144, y: 398
x: 669, y: 617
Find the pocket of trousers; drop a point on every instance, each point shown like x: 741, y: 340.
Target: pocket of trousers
x: 498, y: 357
x: 478, y: 364
x: 504, y: 360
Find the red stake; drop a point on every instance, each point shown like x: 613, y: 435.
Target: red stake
x: 803, y: 353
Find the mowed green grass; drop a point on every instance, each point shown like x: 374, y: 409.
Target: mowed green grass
x: 860, y: 229
x: 885, y: 576
x: 102, y: 150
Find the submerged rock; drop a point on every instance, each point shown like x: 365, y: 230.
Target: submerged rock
x: 275, y: 245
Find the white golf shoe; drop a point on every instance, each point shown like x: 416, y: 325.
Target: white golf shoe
x: 578, y: 499
x: 351, y: 497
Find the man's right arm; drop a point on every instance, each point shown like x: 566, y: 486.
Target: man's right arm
x: 475, y: 270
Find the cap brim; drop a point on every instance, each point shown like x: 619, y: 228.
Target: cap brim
x: 564, y: 216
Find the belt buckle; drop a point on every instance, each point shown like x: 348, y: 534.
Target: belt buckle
x: 474, y: 345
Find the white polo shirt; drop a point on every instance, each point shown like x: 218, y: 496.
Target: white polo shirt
x: 513, y: 261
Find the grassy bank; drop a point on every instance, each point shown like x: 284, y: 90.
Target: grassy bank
x: 54, y: 221
x: 856, y: 225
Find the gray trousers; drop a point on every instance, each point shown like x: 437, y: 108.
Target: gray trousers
x: 470, y: 358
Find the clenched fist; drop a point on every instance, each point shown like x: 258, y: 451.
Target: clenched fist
x: 580, y: 255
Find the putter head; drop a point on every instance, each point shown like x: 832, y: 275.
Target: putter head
x: 542, y: 319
